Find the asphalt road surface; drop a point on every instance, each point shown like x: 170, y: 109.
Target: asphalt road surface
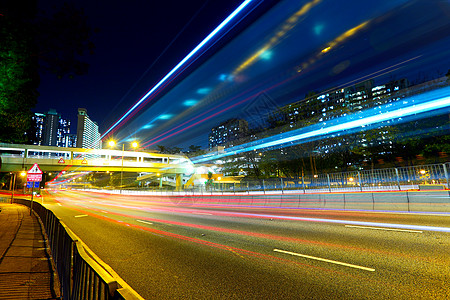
x: 167, y: 248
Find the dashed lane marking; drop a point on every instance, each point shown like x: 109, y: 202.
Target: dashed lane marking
x: 81, y: 216
x: 325, y: 260
x: 146, y: 222
x: 382, y: 228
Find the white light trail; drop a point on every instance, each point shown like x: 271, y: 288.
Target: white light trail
x: 373, y: 116
x: 181, y: 63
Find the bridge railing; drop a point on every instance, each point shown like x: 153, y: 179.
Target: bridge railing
x: 81, y: 276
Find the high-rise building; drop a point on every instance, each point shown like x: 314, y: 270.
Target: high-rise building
x: 334, y: 103
x: 62, y: 132
x: 70, y: 140
x: 38, y: 128
x: 227, y: 132
x: 51, y: 128
x: 88, y: 135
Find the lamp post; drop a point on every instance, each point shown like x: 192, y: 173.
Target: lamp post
x: 112, y: 144
x: 22, y: 174
x: 121, y: 171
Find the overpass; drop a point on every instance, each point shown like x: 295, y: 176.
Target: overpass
x: 15, y: 158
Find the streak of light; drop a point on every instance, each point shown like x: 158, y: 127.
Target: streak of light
x: 345, y: 222
x: 250, y: 97
x: 372, y: 117
x: 181, y: 64
x: 388, y: 229
x: 210, y: 244
x: 326, y: 260
x: 290, y: 23
x: 222, y: 103
x: 241, y: 232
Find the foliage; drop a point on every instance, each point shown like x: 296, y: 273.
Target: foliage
x: 18, y: 79
x: 57, y: 42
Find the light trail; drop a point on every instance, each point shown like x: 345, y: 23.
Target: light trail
x: 254, y: 92
x: 182, y: 63
x: 407, y: 107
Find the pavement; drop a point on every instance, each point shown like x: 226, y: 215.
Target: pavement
x: 25, y: 267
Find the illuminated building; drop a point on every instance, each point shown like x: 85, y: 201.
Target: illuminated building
x: 62, y: 132
x: 88, y: 135
x: 70, y: 140
x: 320, y: 108
x: 38, y: 121
x: 51, y: 128
x: 227, y: 132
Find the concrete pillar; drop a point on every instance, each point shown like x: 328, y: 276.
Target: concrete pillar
x: 179, y: 182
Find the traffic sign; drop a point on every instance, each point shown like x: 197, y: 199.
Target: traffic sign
x: 30, y: 184
x: 34, y: 174
x: 61, y: 161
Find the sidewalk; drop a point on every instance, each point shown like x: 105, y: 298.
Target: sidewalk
x: 25, y: 268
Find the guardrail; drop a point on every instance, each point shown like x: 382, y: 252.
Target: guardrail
x: 82, y: 274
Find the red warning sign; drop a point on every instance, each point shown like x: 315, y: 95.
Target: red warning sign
x: 84, y: 162
x: 34, y: 174
x: 61, y: 161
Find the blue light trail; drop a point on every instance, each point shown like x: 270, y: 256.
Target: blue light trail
x: 182, y: 63
x: 402, y: 111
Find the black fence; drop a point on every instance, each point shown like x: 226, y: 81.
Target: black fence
x: 81, y: 276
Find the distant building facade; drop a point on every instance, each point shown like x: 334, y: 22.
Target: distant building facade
x: 227, y: 132
x: 88, y: 135
x: 320, y: 108
x: 70, y: 140
x: 51, y: 128
x: 62, y: 132
x: 38, y: 121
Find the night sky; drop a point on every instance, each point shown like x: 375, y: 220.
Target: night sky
x: 309, y: 46
x: 130, y: 36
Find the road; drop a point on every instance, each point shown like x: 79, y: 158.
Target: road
x: 166, y: 248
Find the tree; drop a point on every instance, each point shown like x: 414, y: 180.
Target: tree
x: 27, y: 38
x: 19, y: 78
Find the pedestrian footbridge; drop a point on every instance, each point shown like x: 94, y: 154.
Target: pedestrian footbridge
x: 15, y: 158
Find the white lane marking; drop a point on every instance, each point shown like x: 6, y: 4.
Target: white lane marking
x: 325, y: 260
x: 104, y: 211
x: 80, y: 216
x: 59, y: 204
x: 198, y: 213
x: 382, y: 228
x: 150, y: 223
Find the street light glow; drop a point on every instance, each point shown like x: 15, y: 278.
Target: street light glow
x: 111, y: 143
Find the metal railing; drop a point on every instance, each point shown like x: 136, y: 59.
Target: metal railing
x: 81, y: 276
x: 389, y: 179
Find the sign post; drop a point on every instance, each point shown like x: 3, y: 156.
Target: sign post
x: 34, y: 175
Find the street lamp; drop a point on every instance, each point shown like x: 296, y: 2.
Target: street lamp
x: 134, y: 145
x: 22, y: 174
x: 111, y: 143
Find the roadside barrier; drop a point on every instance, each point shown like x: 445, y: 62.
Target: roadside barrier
x: 82, y: 274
